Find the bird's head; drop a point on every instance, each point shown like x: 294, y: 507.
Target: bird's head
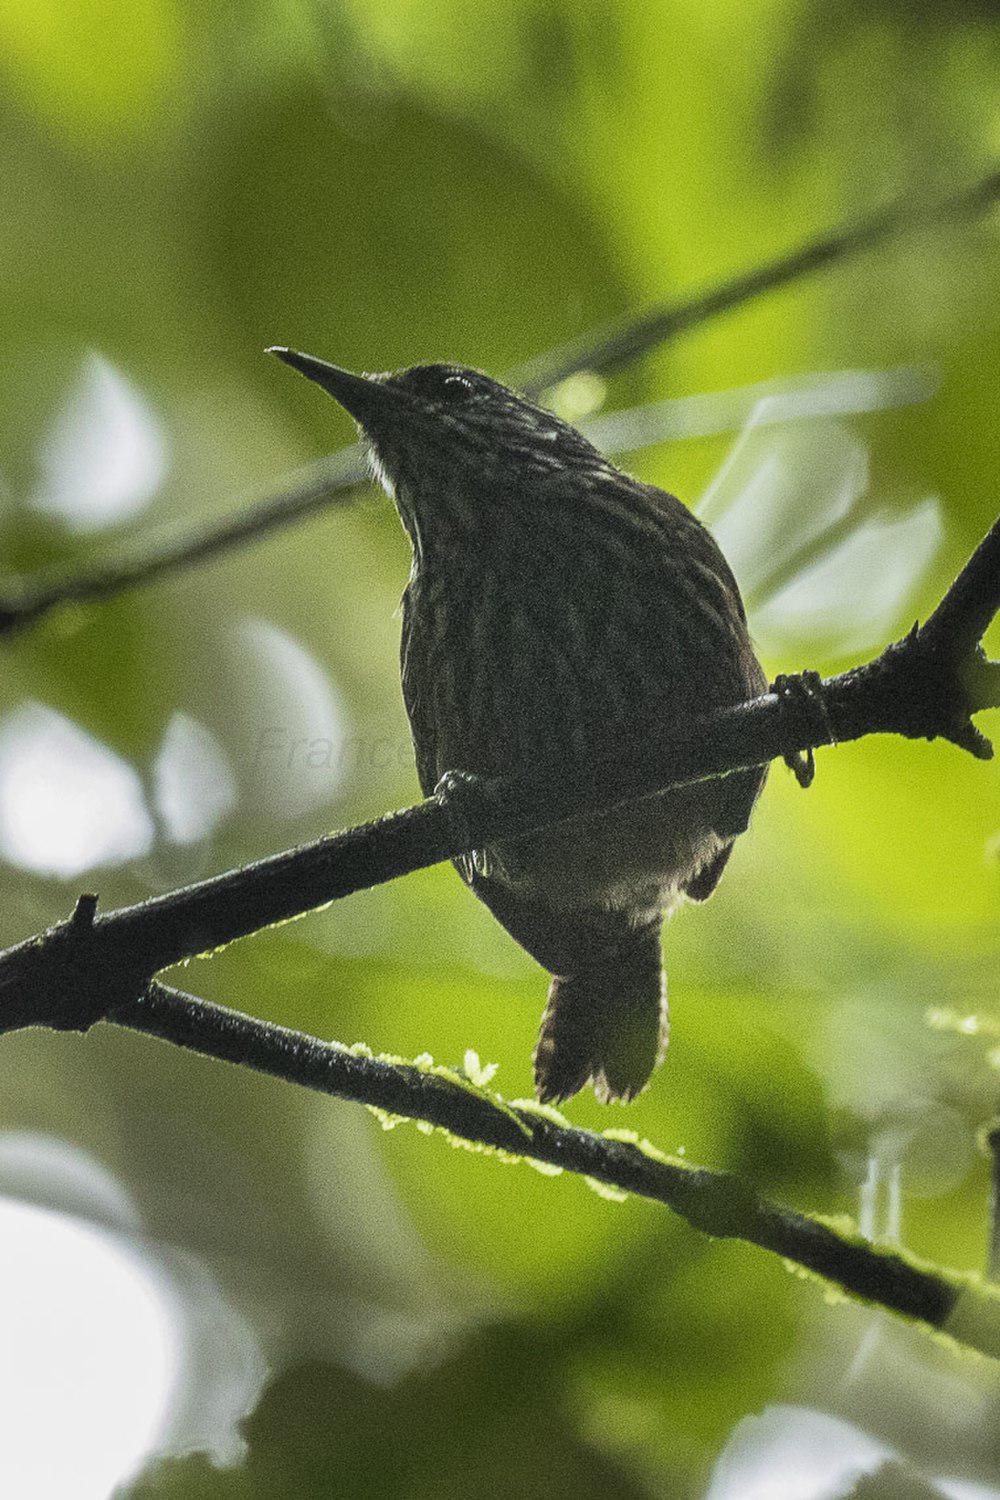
x: 449, y: 442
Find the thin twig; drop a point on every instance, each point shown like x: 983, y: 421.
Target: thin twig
x: 337, y: 477
x: 611, y: 348
x: 716, y: 1203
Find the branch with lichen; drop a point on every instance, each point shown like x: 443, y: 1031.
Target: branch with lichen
x: 94, y: 968
x: 336, y: 479
x: 462, y: 1106
x: 102, y: 967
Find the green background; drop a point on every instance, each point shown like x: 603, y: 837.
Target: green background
x: 185, y: 184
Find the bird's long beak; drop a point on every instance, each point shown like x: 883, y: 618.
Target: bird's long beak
x: 363, y: 396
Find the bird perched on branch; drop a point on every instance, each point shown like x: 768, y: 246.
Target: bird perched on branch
x: 555, y: 607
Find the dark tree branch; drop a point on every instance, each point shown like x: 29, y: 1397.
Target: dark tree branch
x: 965, y: 613
x: 91, y: 968
x: 605, y: 350
x: 924, y: 686
x: 716, y: 1203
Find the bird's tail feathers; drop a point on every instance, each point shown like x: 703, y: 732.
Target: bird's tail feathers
x: 606, y: 1025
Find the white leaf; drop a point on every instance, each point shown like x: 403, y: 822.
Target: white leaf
x: 193, y: 784
x: 295, y: 720
x: 68, y: 803
x: 105, y: 454
x: 853, y: 596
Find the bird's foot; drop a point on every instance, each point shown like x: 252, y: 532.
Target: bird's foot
x: 802, y: 693
x: 468, y: 800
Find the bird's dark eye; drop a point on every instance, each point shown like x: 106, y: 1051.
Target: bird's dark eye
x: 445, y: 385
x: 455, y: 388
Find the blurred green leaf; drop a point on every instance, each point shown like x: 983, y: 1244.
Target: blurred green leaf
x: 186, y: 184
x: 93, y: 69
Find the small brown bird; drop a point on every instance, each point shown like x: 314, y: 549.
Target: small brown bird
x: 555, y: 608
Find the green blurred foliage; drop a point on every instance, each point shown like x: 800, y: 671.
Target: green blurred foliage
x: 382, y: 183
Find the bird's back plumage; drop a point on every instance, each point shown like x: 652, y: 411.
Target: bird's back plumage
x: 558, y: 608
x: 639, y: 626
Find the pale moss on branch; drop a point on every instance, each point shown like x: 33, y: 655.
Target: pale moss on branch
x: 969, y: 1307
